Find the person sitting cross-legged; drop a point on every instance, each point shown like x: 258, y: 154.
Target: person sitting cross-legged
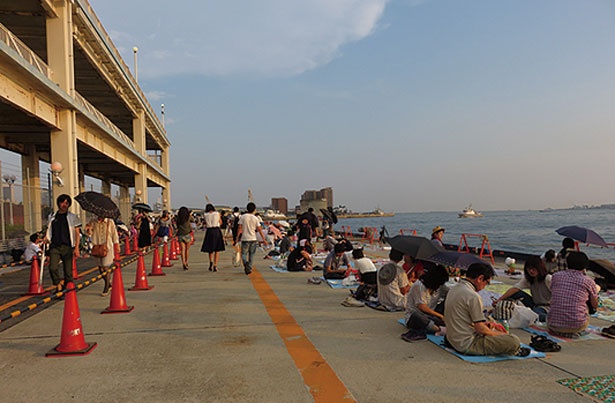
x: 467, y: 329
x: 573, y: 293
x: 425, y: 304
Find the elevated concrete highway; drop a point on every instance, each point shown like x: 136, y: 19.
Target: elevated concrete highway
x: 67, y: 96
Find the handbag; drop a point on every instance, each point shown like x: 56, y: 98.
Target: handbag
x: 101, y: 250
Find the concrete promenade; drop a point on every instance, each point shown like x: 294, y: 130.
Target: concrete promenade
x: 200, y: 336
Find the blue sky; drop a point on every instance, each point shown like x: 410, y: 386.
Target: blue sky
x: 405, y: 105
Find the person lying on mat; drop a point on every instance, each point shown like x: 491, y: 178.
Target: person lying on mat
x: 393, y: 283
x: 336, y: 263
x: 467, y: 329
x: 538, y: 281
x: 425, y: 304
x: 572, y: 293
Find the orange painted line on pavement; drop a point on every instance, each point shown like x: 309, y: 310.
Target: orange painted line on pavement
x: 318, y: 376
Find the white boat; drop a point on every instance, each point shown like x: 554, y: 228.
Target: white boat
x: 469, y: 212
x: 273, y: 215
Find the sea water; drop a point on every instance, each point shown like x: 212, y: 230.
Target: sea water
x: 517, y: 231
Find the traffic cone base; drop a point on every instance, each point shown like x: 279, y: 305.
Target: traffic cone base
x: 117, y: 302
x: 149, y: 287
x: 124, y: 310
x: 55, y: 353
x: 72, y: 341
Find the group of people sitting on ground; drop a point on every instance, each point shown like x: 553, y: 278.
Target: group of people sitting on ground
x: 563, y: 299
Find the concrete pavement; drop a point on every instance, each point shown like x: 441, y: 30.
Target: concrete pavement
x: 200, y: 336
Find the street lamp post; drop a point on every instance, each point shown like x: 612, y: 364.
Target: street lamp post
x: 10, y: 180
x: 135, y: 50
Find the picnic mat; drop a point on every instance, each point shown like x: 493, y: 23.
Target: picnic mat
x: 339, y: 284
x: 606, y: 306
x: 439, y: 340
x: 596, y: 387
x: 591, y: 333
x: 278, y: 269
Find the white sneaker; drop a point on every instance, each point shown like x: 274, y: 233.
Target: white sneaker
x: 352, y: 302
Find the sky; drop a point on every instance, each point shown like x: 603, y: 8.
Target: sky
x: 405, y: 105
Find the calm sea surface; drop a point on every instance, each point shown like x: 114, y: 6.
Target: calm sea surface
x: 518, y: 231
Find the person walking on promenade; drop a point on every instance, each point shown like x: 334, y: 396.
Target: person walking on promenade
x: 163, y: 227
x: 249, y: 225
x: 213, y: 242
x: 184, y: 234
x: 234, y: 227
x: 63, y: 234
x: 104, y: 232
x: 144, y: 232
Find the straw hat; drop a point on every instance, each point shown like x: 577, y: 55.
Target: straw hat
x: 437, y: 229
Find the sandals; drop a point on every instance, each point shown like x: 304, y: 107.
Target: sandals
x: 609, y: 331
x: 544, y: 344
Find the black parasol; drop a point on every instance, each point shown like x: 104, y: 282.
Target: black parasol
x: 458, y: 260
x: 99, y: 204
x: 416, y: 246
x: 142, y: 207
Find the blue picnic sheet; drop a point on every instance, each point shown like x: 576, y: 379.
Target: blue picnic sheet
x: 338, y: 284
x: 438, y: 340
x: 278, y: 269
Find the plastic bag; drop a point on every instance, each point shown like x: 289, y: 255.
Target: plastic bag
x: 522, y: 316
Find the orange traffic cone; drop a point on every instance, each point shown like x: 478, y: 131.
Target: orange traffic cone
x: 165, y: 256
x: 178, y: 249
x: 117, y: 303
x: 135, y: 243
x: 127, y: 250
x: 173, y: 249
x: 36, y: 285
x: 141, y: 280
x: 75, y: 272
x: 72, y: 340
x: 156, y: 268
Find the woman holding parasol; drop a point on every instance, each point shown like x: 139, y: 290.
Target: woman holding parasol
x: 103, y: 231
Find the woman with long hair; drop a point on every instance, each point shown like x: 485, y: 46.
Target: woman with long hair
x: 538, y: 281
x: 213, y: 242
x: 184, y: 234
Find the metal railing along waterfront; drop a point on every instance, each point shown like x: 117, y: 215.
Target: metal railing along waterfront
x: 24, y: 51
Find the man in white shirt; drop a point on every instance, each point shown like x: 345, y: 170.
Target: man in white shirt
x: 249, y: 225
x: 33, y: 248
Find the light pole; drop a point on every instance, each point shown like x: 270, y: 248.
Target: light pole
x: 137, y: 196
x: 10, y: 180
x: 135, y: 50
x: 162, y: 114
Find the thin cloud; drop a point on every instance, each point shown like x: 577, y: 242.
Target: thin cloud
x: 215, y: 38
